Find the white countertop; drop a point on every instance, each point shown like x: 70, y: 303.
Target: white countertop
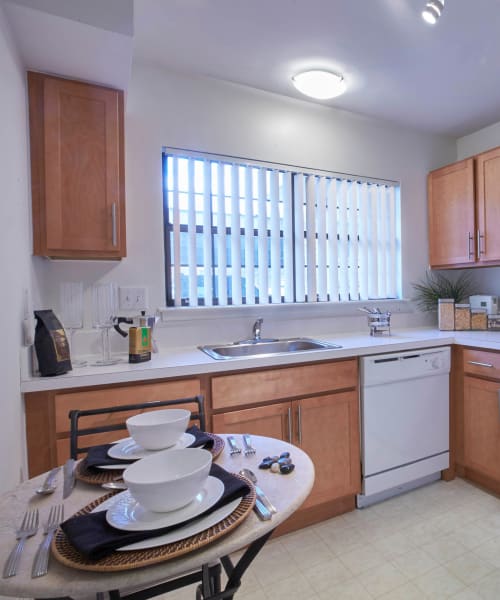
x: 186, y: 361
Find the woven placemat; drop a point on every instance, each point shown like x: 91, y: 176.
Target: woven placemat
x: 99, y: 476
x: 134, y: 559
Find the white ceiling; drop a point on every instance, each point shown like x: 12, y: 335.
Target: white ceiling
x: 442, y: 79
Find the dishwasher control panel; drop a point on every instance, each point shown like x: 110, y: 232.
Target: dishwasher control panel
x: 399, y: 366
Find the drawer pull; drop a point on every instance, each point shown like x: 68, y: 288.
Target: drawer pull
x: 299, y: 424
x: 480, y: 364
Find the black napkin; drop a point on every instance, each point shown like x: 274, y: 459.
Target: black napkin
x: 91, y: 534
x: 97, y: 456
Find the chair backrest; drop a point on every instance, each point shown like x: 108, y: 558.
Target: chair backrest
x: 76, y: 432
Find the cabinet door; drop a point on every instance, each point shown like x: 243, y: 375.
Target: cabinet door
x: 482, y: 426
x: 327, y: 428
x: 77, y: 162
x: 451, y: 215
x: 488, y: 205
x: 273, y: 421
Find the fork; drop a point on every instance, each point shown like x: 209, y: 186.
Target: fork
x: 41, y: 560
x: 247, y: 442
x: 29, y: 527
x: 233, y: 446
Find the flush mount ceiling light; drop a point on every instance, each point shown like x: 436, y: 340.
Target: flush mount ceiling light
x: 321, y: 85
x: 432, y: 11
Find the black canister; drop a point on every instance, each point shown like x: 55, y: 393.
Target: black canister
x: 51, y: 344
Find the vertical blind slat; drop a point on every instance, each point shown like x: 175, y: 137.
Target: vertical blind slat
x: 311, y: 186
x: 275, y: 238
x: 343, y: 246
x: 262, y: 237
x: 321, y: 242
x: 192, y: 260
x: 382, y: 241
x: 300, y: 294
x: 372, y: 241
x: 353, y: 242
x: 235, y: 236
x: 221, y: 231
x: 287, y: 237
x: 249, y: 238
x: 332, y: 230
x: 207, y: 237
x: 176, y: 227
x: 363, y: 248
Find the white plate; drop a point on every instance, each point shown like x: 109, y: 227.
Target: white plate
x: 182, y: 532
x: 128, y: 449
x: 127, y: 514
x: 188, y: 530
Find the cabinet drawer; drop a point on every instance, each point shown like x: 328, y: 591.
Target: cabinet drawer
x: 118, y: 396
x: 484, y: 363
x: 276, y: 384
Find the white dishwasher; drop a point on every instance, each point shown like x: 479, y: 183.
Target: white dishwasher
x: 404, y: 421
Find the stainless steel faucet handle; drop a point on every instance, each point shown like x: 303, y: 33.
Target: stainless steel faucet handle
x: 257, y: 328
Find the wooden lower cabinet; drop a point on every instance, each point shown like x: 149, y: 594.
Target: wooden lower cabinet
x: 47, y: 420
x: 326, y: 427
x: 328, y: 430
x: 482, y: 427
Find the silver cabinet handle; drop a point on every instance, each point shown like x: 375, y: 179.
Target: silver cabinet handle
x: 299, y: 423
x: 113, y: 223
x: 480, y: 364
x: 469, y: 239
x: 479, y: 238
x: 290, y: 425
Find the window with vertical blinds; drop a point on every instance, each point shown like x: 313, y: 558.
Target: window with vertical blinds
x: 241, y: 232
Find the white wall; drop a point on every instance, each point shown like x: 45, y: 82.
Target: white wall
x: 164, y: 108
x: 14, y: 250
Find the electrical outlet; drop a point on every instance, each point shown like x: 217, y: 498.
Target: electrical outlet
x: 133, y: 298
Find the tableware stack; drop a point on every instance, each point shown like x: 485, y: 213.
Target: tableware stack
x: 174, y: 492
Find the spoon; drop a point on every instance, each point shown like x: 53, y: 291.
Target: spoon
x: 260, y: 494
x: 115, y: 485
x: 49, y: 485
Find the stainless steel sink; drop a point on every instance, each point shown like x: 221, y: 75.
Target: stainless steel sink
x: 265, y: 347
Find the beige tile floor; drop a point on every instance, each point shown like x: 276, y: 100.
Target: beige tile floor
x: 440, y: 541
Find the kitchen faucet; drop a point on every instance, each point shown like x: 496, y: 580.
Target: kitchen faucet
x: 257, y: 330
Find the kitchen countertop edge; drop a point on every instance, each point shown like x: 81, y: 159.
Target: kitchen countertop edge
x: 185, y: 362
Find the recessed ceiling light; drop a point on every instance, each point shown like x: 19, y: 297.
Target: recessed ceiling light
x: 432, y: 11
x: 321, y: 85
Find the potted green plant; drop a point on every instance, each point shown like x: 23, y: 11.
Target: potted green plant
x: 436, y: 286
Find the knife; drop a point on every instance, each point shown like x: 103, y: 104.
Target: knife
x: 265, y: 500
x: 262, y: 512
x: 69, y: 477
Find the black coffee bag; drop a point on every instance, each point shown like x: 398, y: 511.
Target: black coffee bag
x: 51, y: 344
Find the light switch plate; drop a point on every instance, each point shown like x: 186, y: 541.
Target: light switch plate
x: 133, y: 298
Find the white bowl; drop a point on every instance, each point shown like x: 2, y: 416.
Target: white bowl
x: 170, y: 479
x: 158, y: 429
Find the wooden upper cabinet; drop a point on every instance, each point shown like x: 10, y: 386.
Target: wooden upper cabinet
x: 488, y: 206
x: 450, y: 193
x: 77, y: 169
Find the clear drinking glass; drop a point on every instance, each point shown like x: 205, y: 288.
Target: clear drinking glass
x: 71, y: 313
x: 104, y: 308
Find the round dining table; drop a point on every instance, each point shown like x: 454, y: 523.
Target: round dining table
x: 287, y: 493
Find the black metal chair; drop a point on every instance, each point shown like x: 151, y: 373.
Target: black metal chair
x: 76, y: 431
